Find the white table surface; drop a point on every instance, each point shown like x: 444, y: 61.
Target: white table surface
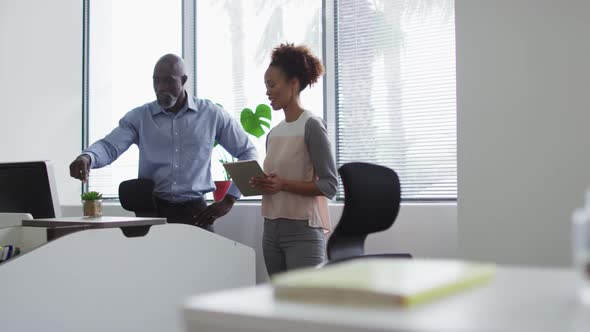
x: 517, y: 299
x: 98, y: 222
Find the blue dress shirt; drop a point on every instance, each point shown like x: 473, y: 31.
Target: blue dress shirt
x: 175, y: 149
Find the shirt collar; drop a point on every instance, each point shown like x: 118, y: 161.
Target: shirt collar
x: 191, y: 103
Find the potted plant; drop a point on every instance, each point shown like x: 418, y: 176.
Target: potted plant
x: 92, y: 204
x: 222, y: 186
x: 253, y: 123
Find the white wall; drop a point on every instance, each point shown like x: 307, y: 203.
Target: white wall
x: 523, y: 75
x: 41, y: 85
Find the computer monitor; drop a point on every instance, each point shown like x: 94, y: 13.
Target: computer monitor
x: 29, y: 187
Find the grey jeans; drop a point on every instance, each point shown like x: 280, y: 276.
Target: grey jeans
x: 290, y: 244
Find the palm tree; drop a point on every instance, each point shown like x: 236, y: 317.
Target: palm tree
x: 236, y: 28
x: 274, y: 33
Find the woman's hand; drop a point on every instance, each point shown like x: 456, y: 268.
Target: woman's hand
x: 269, y: 185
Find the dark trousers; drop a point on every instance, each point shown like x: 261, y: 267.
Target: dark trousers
x: 181, y: 213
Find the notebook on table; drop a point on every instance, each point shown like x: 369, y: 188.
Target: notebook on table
x: 381, y: 281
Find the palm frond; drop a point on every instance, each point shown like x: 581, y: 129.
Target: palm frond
x: 424, y: 8
x: 272, y: 35
x: 313, y: 33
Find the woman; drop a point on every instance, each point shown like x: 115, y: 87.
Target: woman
x: 300, y: 168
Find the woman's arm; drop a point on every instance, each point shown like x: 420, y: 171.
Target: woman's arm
x: 272, y: 184
x: 320, y: 152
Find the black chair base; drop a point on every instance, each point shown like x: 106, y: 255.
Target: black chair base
x: 347, y: 259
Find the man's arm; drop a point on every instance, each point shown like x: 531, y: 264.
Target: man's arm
x: 105, y: 151
x: 233, y: 139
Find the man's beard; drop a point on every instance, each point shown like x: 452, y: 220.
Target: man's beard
x: 167, y: 100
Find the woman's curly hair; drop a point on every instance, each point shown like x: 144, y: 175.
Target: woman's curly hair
x: 297, y: 62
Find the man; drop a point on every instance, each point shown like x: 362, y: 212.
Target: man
x: 175, y: 135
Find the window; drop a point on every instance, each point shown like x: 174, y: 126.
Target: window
x: 234, y: 40
x: 395, y: 91
x: 390, y: 86
x: 124, y: 45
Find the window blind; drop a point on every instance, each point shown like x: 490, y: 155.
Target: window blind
x: 395, y: 91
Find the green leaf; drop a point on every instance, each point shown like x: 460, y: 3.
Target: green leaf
x: 253, y: 122
x: 91, y: 196
x: 215, y: 143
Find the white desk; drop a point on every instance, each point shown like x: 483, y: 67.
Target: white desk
x: 517, y: 299
x: 99, y: 222
x: 57, y: 227
x: 98, y: 280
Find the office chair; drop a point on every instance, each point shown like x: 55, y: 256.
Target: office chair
x: 372, y: 196
x: 137, y: 195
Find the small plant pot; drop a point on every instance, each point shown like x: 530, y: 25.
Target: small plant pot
x: 92, y: 209
x: 221, y: 190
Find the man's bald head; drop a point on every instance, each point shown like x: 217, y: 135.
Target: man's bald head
x: 169, y: 79
x: 171, y: 63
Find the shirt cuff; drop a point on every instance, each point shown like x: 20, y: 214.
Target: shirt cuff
x: 326, y: 188
x: 92, y: 157
x: 234, y: 191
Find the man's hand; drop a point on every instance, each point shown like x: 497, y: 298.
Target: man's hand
x: 80, y: 168
x: 269, y: 185
x: 216, y: 210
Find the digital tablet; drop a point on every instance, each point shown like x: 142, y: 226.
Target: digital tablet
x: 241, y: 172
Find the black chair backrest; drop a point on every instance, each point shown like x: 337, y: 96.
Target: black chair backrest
x: 137, y: 195
x: 372, y: 196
